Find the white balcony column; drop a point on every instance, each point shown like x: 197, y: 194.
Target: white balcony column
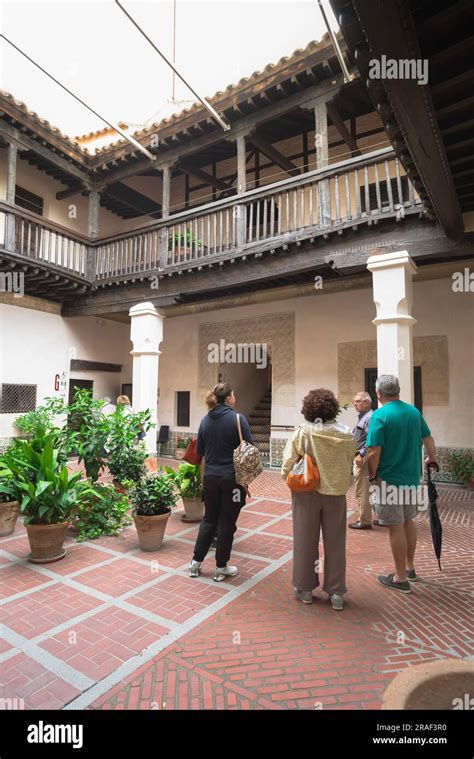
x: 392, y: 275
x: 146, y: 334
x: 12, y: 152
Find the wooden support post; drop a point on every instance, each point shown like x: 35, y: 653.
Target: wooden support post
x: 322, y: 160
x: 12, y: 151
x: 165, y: 212
x: 241, y: 188
x: 92, y: 230
x: 241, y: 165
x: 93, y: 218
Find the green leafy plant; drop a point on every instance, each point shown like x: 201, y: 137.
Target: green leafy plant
x: 8, y: 491
x: 127, y: 464
x: 46, y: 491
x: 187, y: 479
x: 180, y: 239
x: 106, y: 513
x: 42, y: 418
x: 36, y: 424
x: 90, y: 429
x: 125, y: 457
x: 461, y: 464
x: 183, y: 442
x: 154, y: 495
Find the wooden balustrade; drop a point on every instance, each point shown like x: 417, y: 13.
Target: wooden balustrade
x: 365, y: 188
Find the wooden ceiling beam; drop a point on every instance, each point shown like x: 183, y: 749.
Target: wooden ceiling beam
x: 338, y: 123
x: 133, y: 199
x: 390, y: 31
x: 203, y: 176
x: 274, y: 155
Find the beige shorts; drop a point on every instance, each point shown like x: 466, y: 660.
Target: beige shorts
x: 390, y: 513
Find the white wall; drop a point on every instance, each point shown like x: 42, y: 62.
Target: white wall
x: 323, y: 321
x: 35, y: 346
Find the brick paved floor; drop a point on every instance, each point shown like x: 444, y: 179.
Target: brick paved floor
x: 111, y: 627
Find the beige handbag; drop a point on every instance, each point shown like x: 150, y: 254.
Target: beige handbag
x: 247, y: 462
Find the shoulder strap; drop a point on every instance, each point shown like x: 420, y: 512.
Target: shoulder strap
x: 238, y: 426
x: 306, y: 438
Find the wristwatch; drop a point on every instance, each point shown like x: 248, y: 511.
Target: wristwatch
x: 371, y: 479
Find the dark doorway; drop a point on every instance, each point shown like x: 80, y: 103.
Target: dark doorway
x: 74, y: 420
x: 127, y: 389
x: 78, y: 384
x: 371, y: 376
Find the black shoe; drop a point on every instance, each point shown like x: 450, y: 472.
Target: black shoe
x: 388, y: 582
x: 377, y: 523
x: 359, y: 526
x: 411, y: 575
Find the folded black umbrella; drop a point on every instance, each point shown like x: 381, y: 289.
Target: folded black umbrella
x: 435, y: 521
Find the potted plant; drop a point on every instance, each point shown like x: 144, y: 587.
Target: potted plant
x: 126, y: 458
x: 105, y: 513
x: 47, y: 493
x: 461, y: 464
x: 187, y: 479
x: 186, y: 238
x: 181, y: 446
x: 9, y: 506
x: 152, y: 499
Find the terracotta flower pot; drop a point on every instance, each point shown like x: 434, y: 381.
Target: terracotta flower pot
x: 151, y: 531
x: 9, y: 511
x: 193, y: 510
x: 46, y: 541
x: 119, y: 487
x: 180, y: 453
x: 441, y: 685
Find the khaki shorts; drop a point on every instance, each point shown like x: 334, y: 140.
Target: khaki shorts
x: 390, y: 513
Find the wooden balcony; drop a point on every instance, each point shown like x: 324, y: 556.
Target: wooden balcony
x: 360, y: 191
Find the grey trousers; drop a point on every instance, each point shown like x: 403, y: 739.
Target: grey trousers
x: 313, y: 512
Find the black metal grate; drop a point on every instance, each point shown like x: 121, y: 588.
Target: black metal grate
x: 17, y: 399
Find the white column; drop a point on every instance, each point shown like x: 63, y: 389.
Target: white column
x: 146, y: 334
x: 392, y: 275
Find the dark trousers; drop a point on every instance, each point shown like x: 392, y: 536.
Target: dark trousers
x: 223, y: 499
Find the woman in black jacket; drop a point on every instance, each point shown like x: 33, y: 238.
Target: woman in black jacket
x: 218, y: 436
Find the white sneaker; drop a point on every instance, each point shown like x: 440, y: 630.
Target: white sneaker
x: 337, y: 601
x: 222, y: 572
x: 195, y: 568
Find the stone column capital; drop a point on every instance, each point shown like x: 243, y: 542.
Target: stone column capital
x: 400, y: 258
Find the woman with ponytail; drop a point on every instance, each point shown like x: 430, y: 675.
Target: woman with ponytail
x: 218, y: 436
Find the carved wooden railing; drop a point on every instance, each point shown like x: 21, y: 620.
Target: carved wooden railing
x: 360, y: 190
x: 27, y: 234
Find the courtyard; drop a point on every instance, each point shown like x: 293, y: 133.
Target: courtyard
x: 110, y: 627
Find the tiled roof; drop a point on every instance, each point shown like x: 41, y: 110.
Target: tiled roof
x: 245, y: 82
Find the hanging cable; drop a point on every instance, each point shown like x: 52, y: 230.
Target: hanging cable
x: 225, y: 126
x: 115, y: 127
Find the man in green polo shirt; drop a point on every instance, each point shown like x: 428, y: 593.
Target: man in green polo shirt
x: 396, y: 433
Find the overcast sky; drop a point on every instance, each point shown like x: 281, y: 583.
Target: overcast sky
x: 92, y: 47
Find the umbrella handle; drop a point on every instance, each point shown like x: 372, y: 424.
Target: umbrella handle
x: 432, y: 464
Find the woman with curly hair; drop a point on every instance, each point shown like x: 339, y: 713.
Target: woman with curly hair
x: 332, y: 446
